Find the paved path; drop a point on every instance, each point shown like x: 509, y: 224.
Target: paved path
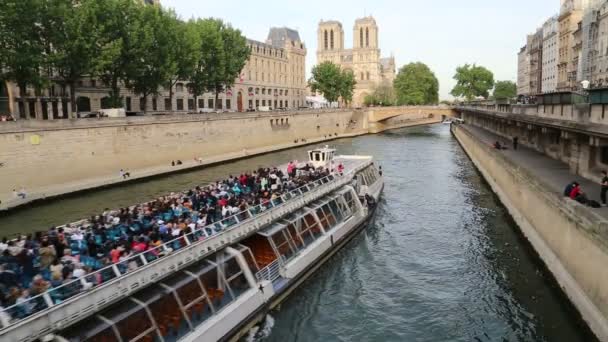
x: 553, y: 172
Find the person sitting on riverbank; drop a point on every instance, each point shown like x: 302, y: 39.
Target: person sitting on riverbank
x: 569, y: 188
x: 55, y: 260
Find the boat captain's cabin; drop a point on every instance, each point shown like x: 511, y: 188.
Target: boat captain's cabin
x: 321, y: 157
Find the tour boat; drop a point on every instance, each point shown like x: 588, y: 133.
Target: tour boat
x: 216, y: 288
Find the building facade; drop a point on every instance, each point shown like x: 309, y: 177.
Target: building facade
x: 535, y: 47
x: 569, y: 22
x: 273, y: 77
x: 550, y: 55
x: 523, y: 72
x: 599, y: 64
x: 363, y: 60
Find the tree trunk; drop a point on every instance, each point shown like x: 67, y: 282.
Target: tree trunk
x: 170, y: 96
x: 217, y: 96
x: 196, y: 103
x: 72, y: 98
x: 115, y: 96
x: 145, y: 103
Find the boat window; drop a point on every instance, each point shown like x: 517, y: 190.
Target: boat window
x: 343, y: 206
x: 298, y: 242
x: 281, y: 241
x: 193, y: 299
x: 215, y: 285
x: 326, y: 217
x: 349, y: 198
x: 308, y: 228
x: 336, y: 211
x: 235, y: 277
x: 248, y: 255
x: 130, y: 320
x: 166, y: 311
x: 92, y: 329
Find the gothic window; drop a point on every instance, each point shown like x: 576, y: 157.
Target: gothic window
x: 367, y: 37
x: 367, y: 75
x: 325, y: 39
x: 361, y: 37
x: 331, y: 39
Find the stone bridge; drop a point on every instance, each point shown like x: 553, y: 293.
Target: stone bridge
x: 383, y: 118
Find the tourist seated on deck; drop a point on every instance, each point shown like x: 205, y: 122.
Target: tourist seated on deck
x: 55, y: 261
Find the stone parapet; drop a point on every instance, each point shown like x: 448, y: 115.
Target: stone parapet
x: 571, y: 239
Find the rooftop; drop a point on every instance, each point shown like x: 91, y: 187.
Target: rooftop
x: 279, y: 35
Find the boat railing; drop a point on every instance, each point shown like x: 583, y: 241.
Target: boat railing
x: 270, y: 272
x: 111, y: 283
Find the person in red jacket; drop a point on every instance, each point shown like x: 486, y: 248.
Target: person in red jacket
x: 576, y: 190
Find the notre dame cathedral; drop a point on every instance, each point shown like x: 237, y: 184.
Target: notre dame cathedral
x: 363, y: 59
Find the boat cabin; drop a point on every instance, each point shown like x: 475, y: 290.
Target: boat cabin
x: 321, y: 157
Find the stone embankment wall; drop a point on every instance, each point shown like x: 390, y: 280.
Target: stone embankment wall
x: 571, y: 240
x: 50, y: 158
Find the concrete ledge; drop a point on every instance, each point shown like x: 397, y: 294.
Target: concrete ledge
x: 569, y: 238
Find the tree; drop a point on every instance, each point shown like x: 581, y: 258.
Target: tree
x: 416, y: 84
x: 328, y: 79
x: 223, y: 54
x: 73, y: 32
x: 236, y: 54
x: 325, y: 79
x: 150, y: 43
x: 185, y: 52
x: 23, y: 53
x: 211, y: 61
x: 347, y: 86
x: 504, y: 90
x: 472, y: 81
x: 116, y: 46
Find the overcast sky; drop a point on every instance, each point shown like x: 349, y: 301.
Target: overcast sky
x: 441, y: 33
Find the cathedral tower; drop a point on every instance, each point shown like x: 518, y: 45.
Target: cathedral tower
x: 365, y: 34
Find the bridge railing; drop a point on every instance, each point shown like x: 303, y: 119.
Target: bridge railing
x: 63, y: 305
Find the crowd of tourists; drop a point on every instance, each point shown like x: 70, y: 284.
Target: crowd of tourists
x: 52, y: 260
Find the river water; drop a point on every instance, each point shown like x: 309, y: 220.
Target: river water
x: 443, y: 261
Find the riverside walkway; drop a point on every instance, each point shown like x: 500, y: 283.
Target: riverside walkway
x: 553, y: 173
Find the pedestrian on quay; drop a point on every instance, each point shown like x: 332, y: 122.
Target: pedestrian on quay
x: 515, y: 142
x: 604, y: 190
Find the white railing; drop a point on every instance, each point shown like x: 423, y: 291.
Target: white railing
x: 271, y: 272
x: 120, y: 280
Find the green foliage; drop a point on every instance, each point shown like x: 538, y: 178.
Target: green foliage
x: 347, y: 86
x: 504, y: 90
x: 184, y: 49
x: 119, y: 20
x: 416, y: 84
x: 334, y: 83
x: 118, y: 41
x: 384, y: 95
x: 223, y: 52
x: 153, y: 30
x: 472, y: 81
x: 22, y: 55
x: 211, y: 57
x: 73, y: 32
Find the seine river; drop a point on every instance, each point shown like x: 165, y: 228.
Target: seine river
x: 443, y: 262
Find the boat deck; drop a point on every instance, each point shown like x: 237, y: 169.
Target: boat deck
x: 50, y: 315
